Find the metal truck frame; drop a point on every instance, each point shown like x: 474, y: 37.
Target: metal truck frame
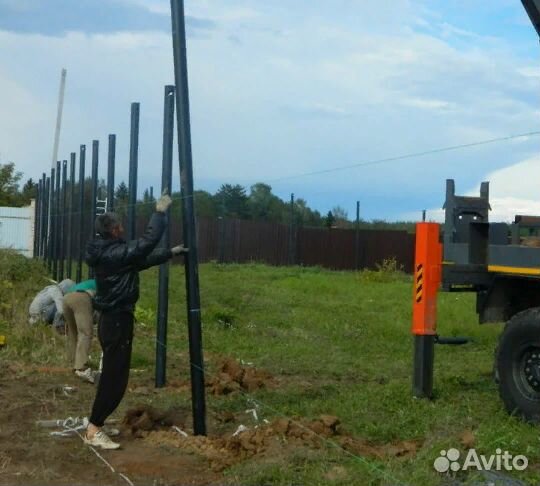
x: 491, y: 260
x: 502, y: 266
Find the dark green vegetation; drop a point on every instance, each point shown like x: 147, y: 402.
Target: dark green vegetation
x: 10, y: 192
x: 229, y: 201
x: 338, y: 343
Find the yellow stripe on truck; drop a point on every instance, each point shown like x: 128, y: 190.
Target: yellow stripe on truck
x: 513, y: 270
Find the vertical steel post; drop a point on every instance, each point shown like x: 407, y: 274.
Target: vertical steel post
x: 188, y: 220
x: 41, y: 216
x: 163, y: 290
x: 95, y: 181
x: 70, y: 214
x: 93, y: 203
x: 292, y: 242
x: 424, y: 216
x: 357, y: 237
x: 50, y: 236
x: 39, y: 219
x: 37, y: 209
x: 57, y: 222
x: 63, y: 218
x: 46, y: 216
x: 110, y: 172
x: 82, y: 161
x: 133, y: 165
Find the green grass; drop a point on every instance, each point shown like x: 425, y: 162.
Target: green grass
x: 20, y: 279
x: 339, y: 343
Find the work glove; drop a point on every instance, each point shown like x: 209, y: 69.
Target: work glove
x: 163, y: 203
x: 179, y: 250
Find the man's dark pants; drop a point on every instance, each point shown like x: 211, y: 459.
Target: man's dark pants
x: 115, y: 332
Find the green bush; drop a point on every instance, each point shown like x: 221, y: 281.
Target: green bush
x: 15, y: 267
x: 21, y: 279
x: 387, y: 271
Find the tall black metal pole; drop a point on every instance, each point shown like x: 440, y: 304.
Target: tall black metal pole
x: 46, y: 214
x: 357, y: 237
x: 80, y: 254
x: 37, y: 209
x: 110, y: 172
x: 39, y: 218
x: 93, y: 202
x: 95, y: 167
x: 70, y: 215
x: 163, y: 290
x: 133, y: 165
x: 43, y: 215
x: 188, y: 220
x: 57, y: 223
x: 63, y: 218
x: 50, y: 236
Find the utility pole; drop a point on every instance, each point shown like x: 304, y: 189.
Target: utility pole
x: 59, y: 116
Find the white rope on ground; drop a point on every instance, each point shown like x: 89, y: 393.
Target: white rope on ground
x: 108, y: 464
x: 73, y: 426
x: 179, y: 430
x: 123, y: 476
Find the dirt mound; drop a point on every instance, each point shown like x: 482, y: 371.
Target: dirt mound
x: 233, y: 377
x: 144, y: 418
x: 225, y: 451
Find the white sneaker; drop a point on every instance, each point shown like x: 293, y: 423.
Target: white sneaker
x: 111, y: 431
x: 101, y: 439
x: 86, y: 375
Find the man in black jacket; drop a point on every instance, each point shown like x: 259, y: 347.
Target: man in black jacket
x: 116, y: 264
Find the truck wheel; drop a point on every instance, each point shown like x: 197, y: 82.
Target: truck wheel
x: 518, y: 365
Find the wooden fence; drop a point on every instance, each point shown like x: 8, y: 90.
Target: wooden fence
x: 240, y: 241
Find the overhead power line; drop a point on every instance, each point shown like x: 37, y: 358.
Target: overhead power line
x: 408, y: 156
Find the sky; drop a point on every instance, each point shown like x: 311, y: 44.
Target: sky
x: 283, y: 89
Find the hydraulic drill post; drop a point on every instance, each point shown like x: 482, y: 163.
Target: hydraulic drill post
x: 427, y: 279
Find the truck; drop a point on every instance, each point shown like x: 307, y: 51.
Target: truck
x: 500, y: 263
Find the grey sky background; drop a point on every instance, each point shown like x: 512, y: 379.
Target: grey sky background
x: 283, y: 88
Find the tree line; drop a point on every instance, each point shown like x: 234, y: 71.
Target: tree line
x: 229, y: 201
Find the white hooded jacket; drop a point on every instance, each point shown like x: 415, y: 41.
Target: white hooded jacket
x: 49, y: 295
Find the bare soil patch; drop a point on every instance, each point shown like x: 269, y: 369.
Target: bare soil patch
x: 157, y: 445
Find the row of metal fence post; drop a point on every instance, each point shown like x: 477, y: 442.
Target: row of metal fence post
x: 56, y: 225
x: 54, y: 218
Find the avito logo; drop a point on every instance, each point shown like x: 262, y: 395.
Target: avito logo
x: 450, y: 461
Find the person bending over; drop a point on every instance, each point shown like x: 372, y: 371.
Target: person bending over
x: 116, y: 265
x: 79, y: 317
x: 48, y: 305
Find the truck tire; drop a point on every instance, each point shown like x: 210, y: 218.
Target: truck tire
x: 518, y: 365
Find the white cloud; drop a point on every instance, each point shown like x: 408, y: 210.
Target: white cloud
x: 513, y: 190
x: 426, y: 104
x: 370, y: 79
x: 162, y: 7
